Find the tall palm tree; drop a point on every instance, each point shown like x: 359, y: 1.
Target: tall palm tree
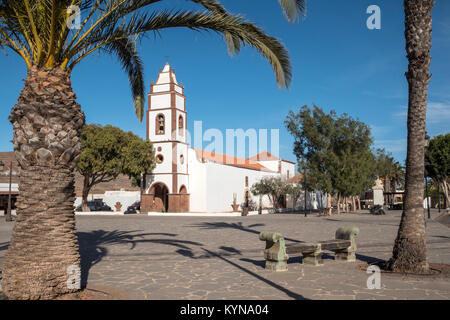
x: 42, y: 260
x: 409, y: 252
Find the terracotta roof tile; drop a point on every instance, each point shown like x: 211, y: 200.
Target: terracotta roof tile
x: 203, y: 155
x: 264, y: 156
x: 296, y: 179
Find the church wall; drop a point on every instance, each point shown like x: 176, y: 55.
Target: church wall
x: 270, y: 164
x: 166, y: 151
x: 163, y: 77
x: 164, y: 178
x: 197, y: 183
x: 183, y: 179
x: 223, y: 180
x: 177, y: 116
x: 182, y: 150
x: 161, y: 87
x: 178, y: 89
x: 285, y: 167
x: 160, y: 101
x: 179, y: 102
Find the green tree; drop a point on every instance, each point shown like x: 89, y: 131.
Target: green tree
x: 335, y: 151
x: 273, y: 187
x: 409, y: 252
x: 107, y: 152
x: 437, y: 160
x: 47, y: 119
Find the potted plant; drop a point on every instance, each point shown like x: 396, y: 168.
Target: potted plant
x: 118, y: 206
x: 235, y: 206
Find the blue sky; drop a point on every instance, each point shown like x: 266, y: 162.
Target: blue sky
x: 337, y: 64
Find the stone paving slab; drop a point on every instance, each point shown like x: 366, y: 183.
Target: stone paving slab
x: 155, y: 257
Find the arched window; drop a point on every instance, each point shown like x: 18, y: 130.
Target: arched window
x: 160, y: 124
x: 180, y: 126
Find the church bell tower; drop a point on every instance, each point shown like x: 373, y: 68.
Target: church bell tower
x: 166, y: 189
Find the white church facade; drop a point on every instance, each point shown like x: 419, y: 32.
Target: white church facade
x: 192, y: 180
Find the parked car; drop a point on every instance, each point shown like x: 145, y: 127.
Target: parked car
x: 95, y: 205
x: 136, y: 206
x: 130, y: 210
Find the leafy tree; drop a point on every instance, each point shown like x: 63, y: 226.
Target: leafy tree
x: 47, y: 119
x: 335, y: 151
x: 437, y: 161
x: 409, y: 252
x: 107, y: 152
x: 273, y: 187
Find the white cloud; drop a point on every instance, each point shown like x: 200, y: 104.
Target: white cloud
x: 394, y: 146
x: 437, y: 112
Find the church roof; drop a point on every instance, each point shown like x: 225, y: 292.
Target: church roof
x: 266, y: 156
x: 296, y: 179
x: 204, y: 155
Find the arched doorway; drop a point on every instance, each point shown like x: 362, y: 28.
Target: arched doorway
x: 160, y: 196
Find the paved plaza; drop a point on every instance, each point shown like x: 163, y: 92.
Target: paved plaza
x: 222, y: 258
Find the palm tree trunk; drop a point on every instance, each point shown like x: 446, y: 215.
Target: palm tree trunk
x: 409, y: 253
x: 42, y: 260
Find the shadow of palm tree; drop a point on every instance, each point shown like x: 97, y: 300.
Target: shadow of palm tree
x: 237, y: 226
x: 92, y: 245
x: 288, y: 292
x: 4, y: 246
x: 368, y: 259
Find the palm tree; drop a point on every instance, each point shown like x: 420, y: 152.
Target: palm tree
x: 398, y: 175
x: 42, y: 260
x: 409, y: 252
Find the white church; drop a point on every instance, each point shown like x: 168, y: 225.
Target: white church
x: 192, y: 180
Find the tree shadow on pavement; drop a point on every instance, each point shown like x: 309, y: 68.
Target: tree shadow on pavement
x: 288, y: 292
x: 211, y: 254
x: 92, y: 245
x: 367, y: 259
x: 4, y: 246
x: 237, y: 226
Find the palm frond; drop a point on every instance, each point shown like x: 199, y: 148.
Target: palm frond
x: 292, y: 9
x: 233, y: 44
x: 38, y: 31
x: 125, y: 50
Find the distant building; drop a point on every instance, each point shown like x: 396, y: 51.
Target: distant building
x: 118, y: 190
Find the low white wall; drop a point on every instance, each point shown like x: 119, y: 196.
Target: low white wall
x: 126, y: 198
